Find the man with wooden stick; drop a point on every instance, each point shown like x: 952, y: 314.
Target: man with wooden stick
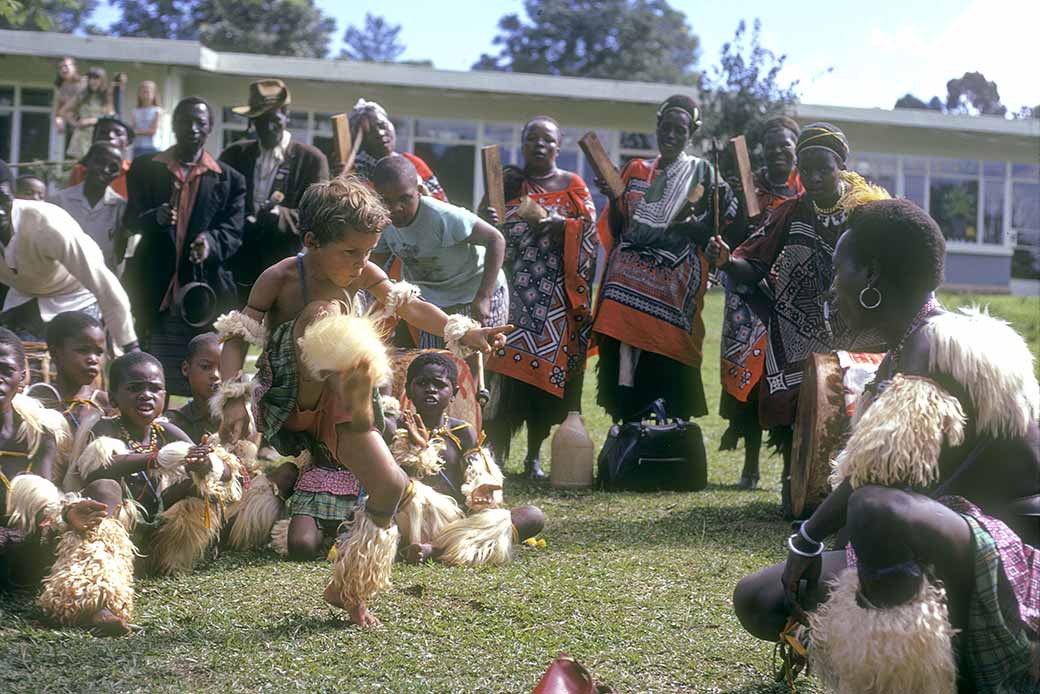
x: 277, y: 170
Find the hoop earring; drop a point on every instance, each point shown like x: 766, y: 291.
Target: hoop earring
x: 864, y: 304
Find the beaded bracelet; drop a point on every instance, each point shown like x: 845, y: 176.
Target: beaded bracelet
x: 794, y: 550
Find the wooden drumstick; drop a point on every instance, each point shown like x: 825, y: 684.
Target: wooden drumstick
x: 491, y: 160
x: 483, y: 395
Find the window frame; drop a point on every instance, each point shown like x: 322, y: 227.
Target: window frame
x: 54, y: 142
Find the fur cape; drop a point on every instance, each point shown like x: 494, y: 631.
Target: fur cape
x: 92, y: 571
x: 909, y: 648
x: 339, y: 343
x: 364, y: 561
x: 37, y: 420
x: 424, y: 512
x: 485, y: 537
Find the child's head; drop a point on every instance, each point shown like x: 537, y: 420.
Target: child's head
x: 76, y: 341
x: 397, y: 182
x: 432, y: 381
x: 137, y: 387
x: 97, y: 80
x: 201, y: 366
x: 12, y: 367
x: 147, y: 94
x: 30, y: 188
x: 341, y: 221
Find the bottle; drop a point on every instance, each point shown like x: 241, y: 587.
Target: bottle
x: 572, y: 454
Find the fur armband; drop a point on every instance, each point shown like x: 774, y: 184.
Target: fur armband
x: 33, y: 502
x: 232, y: 389
x: 481, y: 469
x: 97, y: 455
x: 898, y: 439
x: 454, y: 330
x: 418, y: 461
x: 238, y: 324
x: 345, y: 344
x: 400, y: 293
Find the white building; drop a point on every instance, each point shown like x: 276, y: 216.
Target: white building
x: 978, y: 176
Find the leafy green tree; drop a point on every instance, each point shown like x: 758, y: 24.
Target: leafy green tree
x: 908, y: 100
x: 47, y: 15
x: 274, y: 27
x: 644, y: 40
x: 377, y: 42
x: 974, y: 94
x: 744, y: 90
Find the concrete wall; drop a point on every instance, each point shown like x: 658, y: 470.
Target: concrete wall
x: 991, y: 272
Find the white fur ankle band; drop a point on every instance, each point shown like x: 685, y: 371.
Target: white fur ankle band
x: 238, y: 324
x: 454, y: 330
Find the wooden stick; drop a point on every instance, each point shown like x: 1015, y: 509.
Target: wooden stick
x: 346, y: 145
x: 483, y: 396
x: 601, y: 164
x: 491, y: 159
x: 738, y: 148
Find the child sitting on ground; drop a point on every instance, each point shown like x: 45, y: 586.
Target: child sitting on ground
x: 451, y: 475
x: 90, y: 582
x: 201, y: 367
x: 76, y: 342
x: 178, y: 490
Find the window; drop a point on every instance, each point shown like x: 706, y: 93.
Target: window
x: 306, y: 126
x: 25, y: 123
x: 449, y: 149
x: 880, y: 169
x: 1025, y: 223
x: 954, y: 205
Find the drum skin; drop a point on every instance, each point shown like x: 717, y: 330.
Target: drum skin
x: 820, y: 428
x: 464, y: 406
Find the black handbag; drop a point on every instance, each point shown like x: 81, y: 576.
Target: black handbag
x: 653, y: 453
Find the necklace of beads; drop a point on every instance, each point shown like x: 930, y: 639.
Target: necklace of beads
x: 155, y: 432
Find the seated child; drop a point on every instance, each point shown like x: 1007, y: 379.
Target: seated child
x: 453, y: 256
x: 451, y: 475
x: 176, y: 491
x: 40, y: 527
x: 317, y: 375
x: 201, y: 367
x: 76, y: 342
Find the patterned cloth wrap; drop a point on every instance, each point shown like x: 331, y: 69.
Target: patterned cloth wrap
x: 1004, y: 614
x: 327, y: 491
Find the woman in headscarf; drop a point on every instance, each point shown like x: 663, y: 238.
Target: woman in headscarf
x: 371, y: 122
x: 648, y: 321
x: 743, y: 333
x: 787, y: 266
x: 551, y: 248
x: 938, y: 489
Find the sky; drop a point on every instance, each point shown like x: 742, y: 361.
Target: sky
x: 865, y: 54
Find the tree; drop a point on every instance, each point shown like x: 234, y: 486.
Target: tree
x: 274, y: 27
x: 66, y: 16
x: 973, y: 94
x: 744, y: 90
x: 614, y: 39
x: 159, y: 19
x: 376, y: 43
x: 908, y: 100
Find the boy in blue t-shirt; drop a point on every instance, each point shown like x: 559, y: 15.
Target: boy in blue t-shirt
x: 452, y: 255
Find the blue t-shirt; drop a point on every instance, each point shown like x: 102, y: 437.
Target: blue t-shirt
x: 435, y: 255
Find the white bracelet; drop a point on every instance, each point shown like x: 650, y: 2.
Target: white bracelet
x: 805, y: 535
x: 800, y: 553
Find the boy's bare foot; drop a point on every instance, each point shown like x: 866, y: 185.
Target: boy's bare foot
x: 105, y: 623
x: 417, y: 553
x: 358, y: 614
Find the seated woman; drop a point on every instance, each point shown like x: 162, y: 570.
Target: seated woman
x: 937, y: 488
x: 551, y: 262
x: 648, y: 322
x: 40, y: 526
x: 175, y: 491
x: 76, y: 342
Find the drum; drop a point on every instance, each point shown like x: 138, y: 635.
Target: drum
x: 464, y: 406
x: 820, y: 427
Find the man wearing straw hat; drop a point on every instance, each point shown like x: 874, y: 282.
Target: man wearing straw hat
x: 277, y: 170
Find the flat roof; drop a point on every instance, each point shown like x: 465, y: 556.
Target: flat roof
x: 192, y: 54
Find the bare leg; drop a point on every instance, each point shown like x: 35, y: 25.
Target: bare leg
x: 537, y: 432
x: 417, y: 553
x: 752, y: 448
x: 305, y: 538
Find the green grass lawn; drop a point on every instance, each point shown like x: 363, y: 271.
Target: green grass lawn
x: 638, y: 587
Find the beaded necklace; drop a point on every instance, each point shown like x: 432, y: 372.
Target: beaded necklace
x: 919, y: 319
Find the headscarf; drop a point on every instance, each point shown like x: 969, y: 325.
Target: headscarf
x: 683, y: 103
x: 363, y: 108
x: 823, y: 136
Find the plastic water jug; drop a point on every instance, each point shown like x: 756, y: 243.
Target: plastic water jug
x: 572, y: 454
